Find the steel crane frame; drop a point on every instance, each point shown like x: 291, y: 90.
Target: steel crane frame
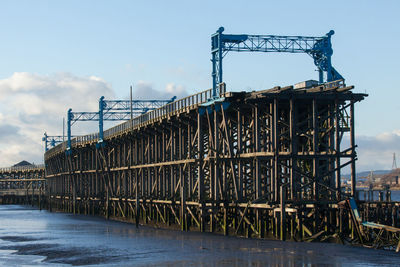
x: 319, y: 48
x: 113, y: 110
x: 52, y: 140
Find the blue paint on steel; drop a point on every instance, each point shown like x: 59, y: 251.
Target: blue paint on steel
x: 217, y: 107
x: 213, y: 101
x: 70, y: 117
x: 112, y: 110
x: 102, y: 105
x: 44, y: 138
x: 353, y: 206
x: 319, y: 48
x: 52, y: 140
x: 100, y: 144
x: 202, y: 111
x: 225, y: 105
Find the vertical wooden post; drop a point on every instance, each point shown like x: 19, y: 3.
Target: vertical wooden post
x: 40, y: 197
x: 107, y: 202
x: 256, y: 134
x: 200, y: 170
x: 225, y: 223
x: 353, y: 151
x: 337, y: 150
x: 315, y: 149
x: 239, y: 150
x: 183, y: 199
x: 293, y: 149
x: 182, y: 178
x: 283, y: 213
x: 50, y: 184
x: 275, y: 146
x: 216, y: 155
x: 32, y: 194
x: 215, y: 169
x: 300, y: 222
x: 257, y: 171
x: 135, y: 152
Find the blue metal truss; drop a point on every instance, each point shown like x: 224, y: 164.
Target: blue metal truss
x: 137, y: 105
x: 107, y: 116
x: 319, y: 48
x: 52, y: 140
x: 113, y: 110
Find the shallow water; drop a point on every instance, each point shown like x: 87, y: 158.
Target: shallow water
x: 395, y: 195
x: 29, y: 237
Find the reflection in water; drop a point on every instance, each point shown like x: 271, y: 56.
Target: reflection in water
x: 38, y: 238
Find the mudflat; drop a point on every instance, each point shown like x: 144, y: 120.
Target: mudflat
x: 39, y: 238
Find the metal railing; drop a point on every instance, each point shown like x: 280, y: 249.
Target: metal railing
x: 164, y: 111
x: 334, y: 84
x: 22, y: 168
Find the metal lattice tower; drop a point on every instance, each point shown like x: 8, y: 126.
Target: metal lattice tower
x: 394, y: 164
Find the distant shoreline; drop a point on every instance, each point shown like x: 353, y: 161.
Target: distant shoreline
x: 392, y: 188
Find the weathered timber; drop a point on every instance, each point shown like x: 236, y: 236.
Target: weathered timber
x: 25, y: 184
x: 262, y: 164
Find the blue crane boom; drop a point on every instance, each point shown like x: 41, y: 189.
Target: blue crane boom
x: 319, y: 48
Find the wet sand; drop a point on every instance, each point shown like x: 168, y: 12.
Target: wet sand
x: 29, y: 237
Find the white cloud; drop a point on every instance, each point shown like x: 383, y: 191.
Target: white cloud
x: 376, y: 152
x: 31, y: 104
x: 176, y: 90
x: 144, y: 90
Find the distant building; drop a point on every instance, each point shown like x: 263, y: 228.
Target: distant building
x: 23, y: 163
x: 392, y: 178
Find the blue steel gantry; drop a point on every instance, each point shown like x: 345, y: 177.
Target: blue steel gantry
x: 51, y: 140
x: 113, y: 110
x: 319, y: 48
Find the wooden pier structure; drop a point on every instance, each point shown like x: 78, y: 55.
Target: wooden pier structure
x: 23, y: 184
x: 262, y: 163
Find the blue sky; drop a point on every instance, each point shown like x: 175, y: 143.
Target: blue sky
x: 166, y: 44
